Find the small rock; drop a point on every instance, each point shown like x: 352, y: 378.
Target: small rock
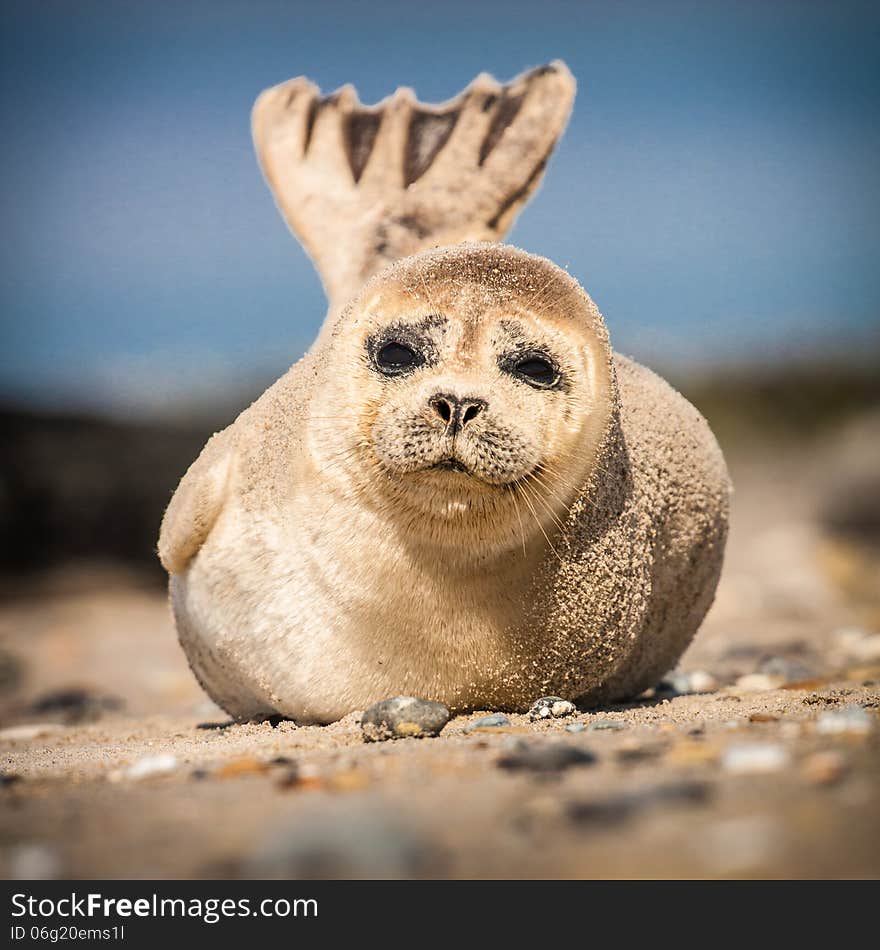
x: 633, y: 752
x: 551, y: 707
x: 302, y: 777
x: 763, y: 717
x: 849, y: 720
x: 495, y: 721
x: 30, y: 731
x: 76, y: 705
x: 247, y: 765
x: 403, y: 717
x: 757, y: 683
x: 599, y: 725
x: 679, y: 683
x: 622, y: 807
x: 823, y: 768
x: 149, y: 766
x: 349, y: 780
x: 575, y: 727
x: 691, y: 753
x: 545, y: 757
x: 602, y: 811
x: 755, y: 759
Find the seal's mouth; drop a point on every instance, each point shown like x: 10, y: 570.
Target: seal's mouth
x: 450, y: 465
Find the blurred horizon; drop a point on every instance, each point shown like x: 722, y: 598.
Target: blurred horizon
x: 717, y: 191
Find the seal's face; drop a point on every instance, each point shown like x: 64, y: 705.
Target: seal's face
x: 461, y: 405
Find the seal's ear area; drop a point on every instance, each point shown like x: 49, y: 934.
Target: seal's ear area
x: 196, y: 504
x: 365, y: 186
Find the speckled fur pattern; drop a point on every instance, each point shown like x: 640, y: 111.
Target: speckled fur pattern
x: 320, y: 562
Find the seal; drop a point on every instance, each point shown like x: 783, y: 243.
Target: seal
x: 460, y: 492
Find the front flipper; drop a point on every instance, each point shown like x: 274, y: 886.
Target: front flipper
x: 196, y: 504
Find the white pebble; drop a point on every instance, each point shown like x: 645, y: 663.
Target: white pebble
x: 151, y: 765
x: 757, y: 683
x: 703, y: 682
x: 755, y: 759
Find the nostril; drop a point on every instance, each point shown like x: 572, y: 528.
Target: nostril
x: 472, y: 411
x: 442, y: 408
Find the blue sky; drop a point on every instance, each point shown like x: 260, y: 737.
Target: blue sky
x: 717, y: 192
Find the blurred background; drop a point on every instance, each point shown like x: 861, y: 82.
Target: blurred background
x: 717, y: 193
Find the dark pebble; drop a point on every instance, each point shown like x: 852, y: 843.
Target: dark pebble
x: 495, y: 721
x: 616, y: 810
x: 76, y: 705
x: 403, y: 717
x: 545, y: 757
x: 615, y: 725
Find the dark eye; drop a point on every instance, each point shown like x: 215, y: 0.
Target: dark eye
x: 536, y: 370
x: 394, y: 357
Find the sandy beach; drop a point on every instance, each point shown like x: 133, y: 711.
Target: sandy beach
x: 115, y: 764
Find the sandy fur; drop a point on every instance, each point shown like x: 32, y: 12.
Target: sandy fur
x: 306, y: 600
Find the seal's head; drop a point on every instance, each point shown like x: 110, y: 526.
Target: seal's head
x: 466, y: 392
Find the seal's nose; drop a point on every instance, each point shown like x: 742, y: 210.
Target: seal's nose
x: 456, y: 412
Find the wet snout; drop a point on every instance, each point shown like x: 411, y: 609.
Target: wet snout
x: 456, y: 411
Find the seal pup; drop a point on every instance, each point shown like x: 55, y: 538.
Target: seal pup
x: 460, y: 492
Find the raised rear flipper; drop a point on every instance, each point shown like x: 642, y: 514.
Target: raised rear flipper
x: 363, y: 186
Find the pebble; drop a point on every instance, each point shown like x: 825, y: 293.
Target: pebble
x: 545, y: 757
x: 598, y: 725
x: 757, y: 683
x: 824, y: 768
x: 495, y: 721
x: 680, y: 683
x: 763, y: 717
x: 403, y: 717
x: 755, y: 759
x: 148, y: 767
x: 622, y: 807
x: 247, y: 765
x: 551, y: 707
x: 30, y: 731
x: 634, y: 752
x: 691, y: 753
x: 575, y: 727
x: 76, y: 705
x: 850, y: 720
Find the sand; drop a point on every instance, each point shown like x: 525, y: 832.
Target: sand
x: 752, y: 779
